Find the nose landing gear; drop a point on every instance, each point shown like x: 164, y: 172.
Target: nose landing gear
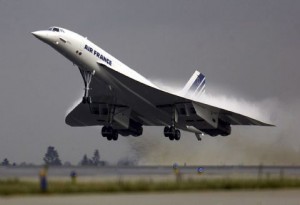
x: 87, y: 79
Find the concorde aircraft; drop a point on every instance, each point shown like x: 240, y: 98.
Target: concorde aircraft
x: 122, y: 101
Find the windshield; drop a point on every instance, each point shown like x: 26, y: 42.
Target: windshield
x: 56, y: 29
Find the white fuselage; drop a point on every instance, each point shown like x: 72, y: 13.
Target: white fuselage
x: 118, y: 86
x: 87, y: 55
x: 68, y: 42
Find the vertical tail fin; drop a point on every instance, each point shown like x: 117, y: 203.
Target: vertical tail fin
x: 195, y: 86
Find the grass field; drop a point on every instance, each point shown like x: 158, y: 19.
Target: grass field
x: 17, y: 187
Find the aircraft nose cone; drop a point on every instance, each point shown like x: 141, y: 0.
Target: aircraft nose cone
x: 42, y: 35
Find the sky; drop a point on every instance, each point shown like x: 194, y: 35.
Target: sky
x: 248, y: 50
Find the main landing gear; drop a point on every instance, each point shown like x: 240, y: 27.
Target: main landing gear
x: 87, y: 78
x: 110, y: 133
x: 172, y: 133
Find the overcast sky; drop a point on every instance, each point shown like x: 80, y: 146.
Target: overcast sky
x: 248, y: 50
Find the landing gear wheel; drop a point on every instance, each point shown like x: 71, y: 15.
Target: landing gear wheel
x: 171, y: 137
x: 115, y: 135
x: 109, y: 137
x: 109, y: 133
x: 104, y: 131
x: 177, y: 135
x: 166, y: 131
x: 172, y: 131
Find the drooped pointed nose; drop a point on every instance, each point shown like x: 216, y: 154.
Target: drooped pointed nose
x: 42, y: 35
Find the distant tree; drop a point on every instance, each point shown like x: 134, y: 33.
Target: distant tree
x: 5, y: 162
x: 96, y: 158
x: 85, y: 161
x: 52, y: 157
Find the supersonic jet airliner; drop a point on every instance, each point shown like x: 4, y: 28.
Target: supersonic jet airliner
x: 123, y: 101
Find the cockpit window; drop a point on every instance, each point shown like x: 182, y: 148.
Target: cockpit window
x: 55, y: 29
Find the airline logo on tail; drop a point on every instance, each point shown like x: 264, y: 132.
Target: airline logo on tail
x: 195, y: 87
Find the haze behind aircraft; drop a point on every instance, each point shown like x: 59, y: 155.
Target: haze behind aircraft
x: 123, y: 101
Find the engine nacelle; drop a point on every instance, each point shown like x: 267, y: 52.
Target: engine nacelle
x: 223, y: 129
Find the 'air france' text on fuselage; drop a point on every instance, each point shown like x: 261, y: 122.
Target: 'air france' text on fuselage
x: 96, y: 53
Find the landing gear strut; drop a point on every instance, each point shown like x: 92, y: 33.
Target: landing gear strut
x: 87, y: 78
x: 107, y: 130
x: 172, y: 133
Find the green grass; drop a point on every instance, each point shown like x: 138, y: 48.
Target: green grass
x: 17, y: 187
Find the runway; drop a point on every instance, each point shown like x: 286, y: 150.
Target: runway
x: 277, y: 197
x: 151, y: 172
x: 106, y: 173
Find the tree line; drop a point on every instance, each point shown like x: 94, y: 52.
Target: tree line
x: 51, y: 158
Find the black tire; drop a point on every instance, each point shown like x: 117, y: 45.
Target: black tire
x: 103, y: 131
x: 177, y: 135
x: 166, y: 131
x: 109, y: 130
x: 115, y: 135
x: 109, y: 137
x: 172, y: 131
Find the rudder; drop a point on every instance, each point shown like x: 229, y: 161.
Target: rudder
x: 195, y: 86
